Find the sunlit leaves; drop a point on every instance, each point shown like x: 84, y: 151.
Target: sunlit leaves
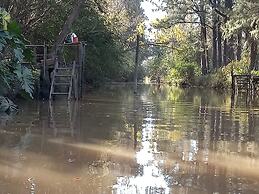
x: 174, y: 34
x: 4, y: 19
x: 176, y: 61
x: 141, y: 28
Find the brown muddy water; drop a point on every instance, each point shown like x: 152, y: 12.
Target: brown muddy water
x: 164, y: 140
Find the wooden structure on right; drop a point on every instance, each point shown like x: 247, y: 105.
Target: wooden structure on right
x: 247, y: 83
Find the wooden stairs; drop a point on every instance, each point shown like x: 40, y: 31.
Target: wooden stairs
x: 63, y: 81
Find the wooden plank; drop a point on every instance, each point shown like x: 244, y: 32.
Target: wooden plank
x: 59, y: 93
x: 44, y: 60
x: 61, y: 84
x: 53, y: 81
x: 62, y: 75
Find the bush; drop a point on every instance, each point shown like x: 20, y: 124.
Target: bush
x: 220, y: 79
x: 13, y: 75
x: 184, y: 73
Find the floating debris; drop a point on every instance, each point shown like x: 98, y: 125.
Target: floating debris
x: 77, y: 179
x: 32, y: 185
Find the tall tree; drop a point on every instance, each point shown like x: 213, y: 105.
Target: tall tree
x: 192, y: 13
x: 215, y: 36
x: 228, y: 43
x: 218, y: 16
x: 67, y: 25
x: 245, y: 18
x: 239, y: 46
x: 204, y: 53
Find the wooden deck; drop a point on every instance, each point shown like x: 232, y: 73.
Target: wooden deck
x: 44, y: 62
x: 248, y: 83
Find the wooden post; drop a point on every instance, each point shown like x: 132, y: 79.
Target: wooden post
x: 75, y: 86
x: 136, y: 65
x: 233, y: 81
x: 80, y: 69
x: 252, y: 85
x: 45, y: 51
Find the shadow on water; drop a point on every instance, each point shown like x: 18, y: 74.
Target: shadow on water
x: 163, y: 140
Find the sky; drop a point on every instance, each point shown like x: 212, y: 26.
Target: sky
x: 149, y: 10
x: 151, y: 14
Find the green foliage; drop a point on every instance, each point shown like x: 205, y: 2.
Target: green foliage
x: 108, y: 28
x: 184, y: 73
x: 108, y: 55
x: 4, y: 19
x: 244, y: 17
x: 6, y: 105
x: 176, y: 63
x: 155, y: 69
x: 220, y: 79
x: 25, y: 78
x: 13, y: 74
x: 194, y: 29
x: 173, y: 69
x: 241, y: 67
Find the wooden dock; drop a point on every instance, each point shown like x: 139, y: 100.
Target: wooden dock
x: 44, y: 62
x: 247, y: 83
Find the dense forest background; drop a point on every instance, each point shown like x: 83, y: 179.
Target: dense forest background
x: 205, y: 41
x: 200, y: 42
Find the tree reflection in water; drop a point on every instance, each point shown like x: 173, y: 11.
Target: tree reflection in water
x: 150, y: 178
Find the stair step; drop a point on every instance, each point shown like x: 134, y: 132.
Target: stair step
x: 65, y: 131
x: 60, y: 75
x: 64, y: 68
x: 62, y: 126
x: 62, y: 84
x: 60, y: 93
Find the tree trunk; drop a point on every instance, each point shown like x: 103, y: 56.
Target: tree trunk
x: 136, y: 65
x: 214, y: 39
x: 229, y: 4
x: 219, y: 38
x: 239, y: 46
x: 219, y: 45
x: 214, y: 49
x: 253, y: 55
x: 228, y: 50
x: 67, y: 26
x: 231, y: 54
x: 225, y: 52
x: 204, y: 64
x: 228, y: 43
x: 204, y: 59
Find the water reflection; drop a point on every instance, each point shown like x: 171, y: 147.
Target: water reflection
x: 63, y: 116
x: 150, y: 177
x: 165, y: 140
